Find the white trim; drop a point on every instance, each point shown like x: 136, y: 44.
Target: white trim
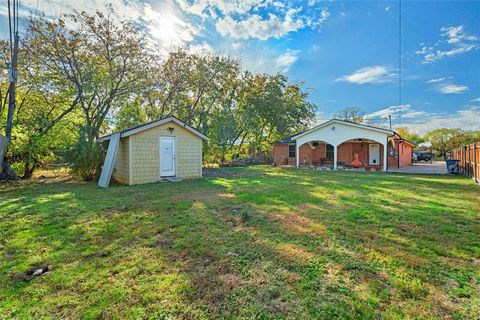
x: 160, y: 156
x: 201, y: 160
x: 297, y: 155
x: 154, y: 124
x: 130, y: 164
x: 335, y: 157
x: 361, y: 126
x: 385, y: 157
x: 106, y: 138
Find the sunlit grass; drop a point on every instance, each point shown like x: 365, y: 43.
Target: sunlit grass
x: 256, y: 242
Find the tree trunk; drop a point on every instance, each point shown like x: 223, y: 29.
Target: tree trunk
x: 7, y: 173
x: 29, y: 169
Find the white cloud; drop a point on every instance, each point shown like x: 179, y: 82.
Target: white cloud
x: 466, y: 118
x: 196, y: 8
x: 452, y: 89
x: 257, y: 27
x: 373, y: 74
x: 168, y: 26
x: 405, y: 110
x: 128, y: 10
x: 435, y: 80
x: 315, y: 21
x: 324, y: 15
x: 175, y: 23
x: 455, y: 41
x: 226, y: 7
x: 421, y: 121
x: 457, y: 34
x: 475, y: 100
x: 286, y: 60
x: 201, y: 49
x: 446, y: 87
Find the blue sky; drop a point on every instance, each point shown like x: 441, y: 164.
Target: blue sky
x: 345, y: 52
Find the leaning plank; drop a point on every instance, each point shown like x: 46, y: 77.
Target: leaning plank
x: 109, y: 162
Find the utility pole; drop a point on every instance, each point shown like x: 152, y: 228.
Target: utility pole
x: 6, y: 173
x: 400, y: 62
x: 12, y: 77
x: 12, y: 72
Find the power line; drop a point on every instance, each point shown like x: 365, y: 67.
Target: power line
x: 13, y: 8
x: 18, y: 10
x: 10, y: 29
x: 400, y: 61
x: 36, y: 8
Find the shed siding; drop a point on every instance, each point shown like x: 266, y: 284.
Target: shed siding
x: 121, y: 172
x: 145, y: 153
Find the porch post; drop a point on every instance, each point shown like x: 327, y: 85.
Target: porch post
x: 335, y: 157
x: 297, y: 156
x: 385, y: 156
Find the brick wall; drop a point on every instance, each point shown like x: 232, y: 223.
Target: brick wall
x: 307, y: 154
x: 280, y: 154
x: 405, y: 154
x: 345, y: 152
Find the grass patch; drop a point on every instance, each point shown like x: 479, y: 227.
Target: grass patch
x: 254, y: 242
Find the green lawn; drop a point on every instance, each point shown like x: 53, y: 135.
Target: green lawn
x: 259, y: 242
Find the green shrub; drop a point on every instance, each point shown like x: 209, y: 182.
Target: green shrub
x: 85, y: 157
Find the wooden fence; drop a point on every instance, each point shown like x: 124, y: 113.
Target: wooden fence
x: 469, y: 157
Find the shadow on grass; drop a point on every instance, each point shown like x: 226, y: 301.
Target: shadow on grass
x: 249, y: 242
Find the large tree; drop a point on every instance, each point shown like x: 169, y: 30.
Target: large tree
x: 269, y: 108
x: 99, y: 62
x: 82, y: 73
x: 95, y: 65
x: 353, y: 114
x: 39, y: 110
x: 445, y: 140
x: 414, y: 138
x: 237, y: 110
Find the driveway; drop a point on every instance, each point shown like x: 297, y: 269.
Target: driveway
x: 436, y: 167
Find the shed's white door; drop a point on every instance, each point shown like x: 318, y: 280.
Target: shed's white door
x: 374, y: 154
x: 167, y: 156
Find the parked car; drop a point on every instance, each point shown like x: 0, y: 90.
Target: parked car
x: 422, y: 156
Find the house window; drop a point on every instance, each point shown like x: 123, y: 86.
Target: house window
x: 291, y: 151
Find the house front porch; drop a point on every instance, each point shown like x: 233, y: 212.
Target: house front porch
x: 319, y: 154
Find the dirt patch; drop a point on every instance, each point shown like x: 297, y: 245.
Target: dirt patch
x: 232, y: 172
x: 295, y: 253
x: 218, y: 173
x: 295, y: 223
